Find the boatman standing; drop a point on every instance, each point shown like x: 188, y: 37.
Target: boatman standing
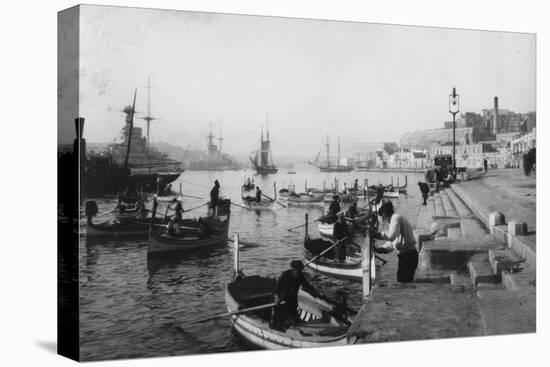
x: 214, y: 197
x: 401, y: 234
x: 288, y: 285
x: 340, y: 232
x: 258, y: 194
x: 333, y: 210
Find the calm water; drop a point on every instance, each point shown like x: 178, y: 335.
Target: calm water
x: 132, y: 306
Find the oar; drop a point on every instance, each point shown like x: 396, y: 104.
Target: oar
x: 191, y: 196
x: 240, y: 206
x: 325, y: 251
x: 301, y: 225
x: 196, y: 207
x: 234, y: 313
x: 264, y: 195
x: 104, y: 214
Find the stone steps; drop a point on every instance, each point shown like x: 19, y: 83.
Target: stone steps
x: 448, y: 206
x: 481, y: 271
x: 461, y: 208
x: 514, y: 272
x: 439, y: 209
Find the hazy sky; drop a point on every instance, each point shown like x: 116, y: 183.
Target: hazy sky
x: 364, y: 82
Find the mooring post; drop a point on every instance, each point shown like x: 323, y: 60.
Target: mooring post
x: 366, y: 266
x: 236, y: 244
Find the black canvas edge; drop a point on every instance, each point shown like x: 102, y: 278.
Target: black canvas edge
x: 68, y: 169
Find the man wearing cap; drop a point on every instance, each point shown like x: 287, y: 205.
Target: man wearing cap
x: 401, y: 234
x: 286, y: 290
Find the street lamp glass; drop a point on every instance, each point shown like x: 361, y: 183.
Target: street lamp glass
x: 454, y: 103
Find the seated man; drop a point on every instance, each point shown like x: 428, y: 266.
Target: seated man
x: 288, y: 285
x: 352, y: 211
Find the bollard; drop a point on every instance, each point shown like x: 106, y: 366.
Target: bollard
x: 495, y: 219
x: 517, y: 228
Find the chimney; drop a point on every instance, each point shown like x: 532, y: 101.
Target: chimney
x: 495, y: 117
x: 79, y: 143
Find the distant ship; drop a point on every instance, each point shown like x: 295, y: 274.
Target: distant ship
x: 134, y: 161
x: 329, y: 167
x: 261, y: 159
x: 213, y: 159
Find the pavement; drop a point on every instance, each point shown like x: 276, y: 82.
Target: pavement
x: 468, y: 282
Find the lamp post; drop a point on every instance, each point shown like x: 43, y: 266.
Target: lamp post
x: 454, y: 102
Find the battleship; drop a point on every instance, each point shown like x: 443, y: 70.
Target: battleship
x: 263, y: 157
x: 130, y: 162
x: 213, y: 159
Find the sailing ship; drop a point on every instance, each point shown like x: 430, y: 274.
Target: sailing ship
x: 329, y: 167
x: 263, y: 157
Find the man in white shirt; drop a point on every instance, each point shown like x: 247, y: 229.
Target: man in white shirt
x: 401, y: 234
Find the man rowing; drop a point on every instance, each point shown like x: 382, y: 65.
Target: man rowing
x: 288, y: 285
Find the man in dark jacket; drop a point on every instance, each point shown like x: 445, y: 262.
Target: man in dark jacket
x: 288, y: 285
x: 425, y: 190
x: 340, y: 232
x: 214, y: 196
x: 333, y: 209
x: 258, y: 197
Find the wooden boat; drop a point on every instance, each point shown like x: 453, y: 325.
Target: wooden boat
x: 196, y: 233
x: 283, y: 193
x: 306, y: 198
x: 322, y: 323
x: 129, y: 221
x: 265, y: 204
x: 114, y: 228
x: 329, y: 264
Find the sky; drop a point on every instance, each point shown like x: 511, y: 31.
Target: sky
x: 363, y: 82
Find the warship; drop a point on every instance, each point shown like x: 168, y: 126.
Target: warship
x: 213, y: 159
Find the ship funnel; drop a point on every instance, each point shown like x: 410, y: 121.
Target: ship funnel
x: 79, y: 126
x: 79, y: 144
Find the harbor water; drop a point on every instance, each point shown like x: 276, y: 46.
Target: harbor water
x: 133, y: 305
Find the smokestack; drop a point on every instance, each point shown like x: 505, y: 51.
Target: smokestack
x: 495, y: 117
x: 79, y: 144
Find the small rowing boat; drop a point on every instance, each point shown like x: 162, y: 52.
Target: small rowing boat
x: 322, y: 322
x: 306, y: 198
x: 266, y: 203
x: 194, y: 234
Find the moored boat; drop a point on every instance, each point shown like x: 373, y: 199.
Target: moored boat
x: 266, y: 202
x: 306, y: 198
x: 195, y: 233
x: 322, y: 323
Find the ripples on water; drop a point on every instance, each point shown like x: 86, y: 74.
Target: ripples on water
x: 132, y: 305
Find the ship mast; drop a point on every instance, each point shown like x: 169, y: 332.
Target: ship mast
x: 338, y: 162
x: 148, y: 118
x: 328, y: 156
x: 220, y: 139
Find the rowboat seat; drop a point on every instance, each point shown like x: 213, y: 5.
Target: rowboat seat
x: 179, y: 237
x: 319, y: 328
